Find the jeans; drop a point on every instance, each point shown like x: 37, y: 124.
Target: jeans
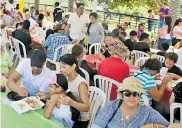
x: 161, y: 23
x: 150, y: 25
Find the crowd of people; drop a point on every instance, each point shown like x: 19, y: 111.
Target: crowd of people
x: 67, y: 93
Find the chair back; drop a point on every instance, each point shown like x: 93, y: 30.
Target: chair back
x: 160, y: 58
x: 97, y: 100
x: 106, y: 84
x: 65, y: 49
x: 146, y: 99
x: 141, y: 61
x: 87, y: 76
x: 173, y: 106
x: 96, y: 46
x: 16, y: 48
x: 139, y: 54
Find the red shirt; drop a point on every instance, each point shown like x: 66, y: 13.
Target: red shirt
x: 115, y: 69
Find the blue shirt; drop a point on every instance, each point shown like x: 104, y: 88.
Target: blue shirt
x: 53, y: 41
x: 148, y: 82
x: 144, y: 115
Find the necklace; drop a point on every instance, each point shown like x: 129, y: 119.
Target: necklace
x: 127, y: 117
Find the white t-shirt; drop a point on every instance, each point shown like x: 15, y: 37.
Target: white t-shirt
x: 63, y: 112
x: 32, y: 83
x: 73, y: 86
x: 32, y: 23
x: 77, y: 24
x: 176, y: 32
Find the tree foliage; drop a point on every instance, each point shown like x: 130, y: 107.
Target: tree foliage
x: 152, y: 4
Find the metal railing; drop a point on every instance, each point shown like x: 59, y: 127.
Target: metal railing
x: 117, y: 18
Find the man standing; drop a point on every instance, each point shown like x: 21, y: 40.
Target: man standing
x: 57, y: 14
x: 76, y: 23
x: 106, y: 11
x: 34, y: 76
x: 163, y: 13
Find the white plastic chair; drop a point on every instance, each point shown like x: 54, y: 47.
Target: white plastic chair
x: 97, y: 100
x: 146, y: 99
x: 160, y: 58
x: 96, y: 46
x: 87, y: 76
x: 106, y: 84
x: 141, y: 61
x: 65, y: 49
x: 172, y: 107
x: 139, y: 54
x: 57, y: 66
x: 69, y: 49
x: 16, y: 46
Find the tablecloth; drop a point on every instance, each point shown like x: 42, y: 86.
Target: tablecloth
x: 31, y: 119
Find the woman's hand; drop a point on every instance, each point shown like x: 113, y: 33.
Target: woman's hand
x: 65, y: 100
x: 166, y: 79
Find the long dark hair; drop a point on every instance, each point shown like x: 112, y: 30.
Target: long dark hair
x: 152, y: 64
x: 95, y: 16
x: 70, y: 59
x: 62, y: 82
x: 177, y: 22
x: 168, y: 21
x: 48, y: 32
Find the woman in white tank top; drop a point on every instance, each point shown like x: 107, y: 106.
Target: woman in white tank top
x: 78, y: 86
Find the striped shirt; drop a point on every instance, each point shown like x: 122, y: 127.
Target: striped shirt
x: 52, y: 42
x: 148, y: 82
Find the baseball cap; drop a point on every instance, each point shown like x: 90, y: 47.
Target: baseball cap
x: 38, y: 57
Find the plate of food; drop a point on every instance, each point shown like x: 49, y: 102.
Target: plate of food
x: 20, y: 106
x: 172, y: 83
x: 34, y: 102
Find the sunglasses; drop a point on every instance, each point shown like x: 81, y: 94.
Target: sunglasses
x: 128, y: 94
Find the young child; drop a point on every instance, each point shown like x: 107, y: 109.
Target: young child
x: 63, y: 113
x: 6, y: 62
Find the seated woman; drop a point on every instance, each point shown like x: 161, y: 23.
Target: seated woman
x: 148, y: 70
x: 176, y: 97
x: 108, y: 41
x: 6, y: 63
x: 59, y: 87
x: 40, y: 19
x: 78, y: 86
x: 77, y: 51
x: 127, y: 112
x: 115, y: 67
x: 170, y: 61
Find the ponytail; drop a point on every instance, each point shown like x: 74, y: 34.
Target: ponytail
x: 75, y: 113
x: 152, y: 64
x: 89, y: 28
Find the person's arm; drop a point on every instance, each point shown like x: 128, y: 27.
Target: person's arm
x: 103, y: 117
x: 152, y: 125
x: 157, y: 93
x: 175, y: 76
x: 156, y: 118
x: 101, y: 31
x: 68, y: 25
x: 84, y: 105
x: 50, y: 107
x: 47, y: 42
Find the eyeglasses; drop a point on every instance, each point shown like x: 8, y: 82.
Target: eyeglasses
x: 128, y: 94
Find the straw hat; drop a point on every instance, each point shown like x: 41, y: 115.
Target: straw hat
x: 132, y: 84
x: 120, y: 49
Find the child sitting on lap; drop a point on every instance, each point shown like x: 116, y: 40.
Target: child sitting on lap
x: 59, y: 88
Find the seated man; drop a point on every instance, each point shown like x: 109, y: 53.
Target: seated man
x: 170, y: 61
x: 164, y: 48
x: 33, y: 74
x: 55, y: 40
x: 130, y: 42
x: 143, y: 44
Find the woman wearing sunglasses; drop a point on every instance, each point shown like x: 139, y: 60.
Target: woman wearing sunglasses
x: 127, y: 112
